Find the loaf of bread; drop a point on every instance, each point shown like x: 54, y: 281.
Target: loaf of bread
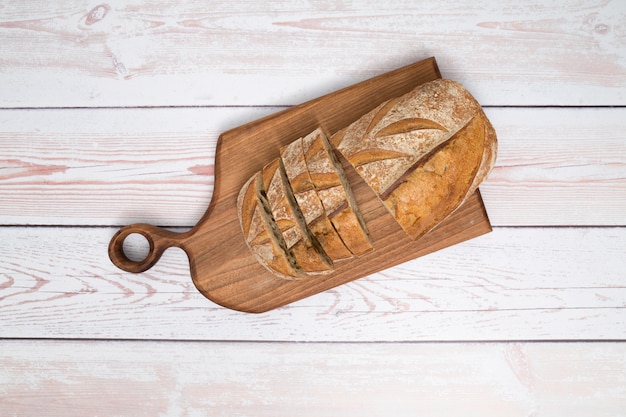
x: 423, y: 154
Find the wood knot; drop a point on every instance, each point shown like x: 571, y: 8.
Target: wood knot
x: 601, y: 28
x: 97, y: 14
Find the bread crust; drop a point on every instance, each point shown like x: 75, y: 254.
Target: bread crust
x: 309, y: 254
x: 335, y: 193
x: 261, y: 232
x: 394, y: 146
x: 423, y: 154
x: 489, y: 154
x: 387, y: 141
x: 441, y: 182
x: 310, y: 202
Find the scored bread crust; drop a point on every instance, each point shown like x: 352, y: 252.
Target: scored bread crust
x: 309, y: 201
x: 390, y: 139
x: 308, y: 252
x: 410, y: 151
x: 335, y: 193
x: 261, y: 232
x: 436, y: 188
x: 423, y: 153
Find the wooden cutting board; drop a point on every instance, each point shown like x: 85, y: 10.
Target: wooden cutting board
x: 223, y: 268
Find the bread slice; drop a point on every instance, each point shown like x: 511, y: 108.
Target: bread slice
x: 262, y: 234
x: 335, y: 193
x: 309, y: 201
x: 308, y: 252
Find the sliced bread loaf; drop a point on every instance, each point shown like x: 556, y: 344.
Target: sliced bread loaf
x: 335, y: 192
x: 309, y: 201
x: 308, y: 252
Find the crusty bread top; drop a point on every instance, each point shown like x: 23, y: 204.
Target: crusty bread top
x: 246, y: 205
x: 386, y: 142
x: 440, y: 183
x: 423, y: 153
x: 295, y: 167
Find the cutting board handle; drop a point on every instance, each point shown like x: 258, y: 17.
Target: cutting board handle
x: 158, y: 239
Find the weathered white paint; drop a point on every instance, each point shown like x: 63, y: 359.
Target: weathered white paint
x: 134, y: 53
x: 512, y: 284
x: 119, y: 166
x: 68, y: 378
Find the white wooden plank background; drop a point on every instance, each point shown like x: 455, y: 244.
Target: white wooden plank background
x: 513, y: 284
x: 109, y: 114
x: 135, y: 53
x: 260, y: 379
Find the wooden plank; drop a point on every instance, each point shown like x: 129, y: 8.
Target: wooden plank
x: 512, y: 284
x: 556, y: 166
x: 70, y: 378
x: 58, y: 158
x: 137, y: 54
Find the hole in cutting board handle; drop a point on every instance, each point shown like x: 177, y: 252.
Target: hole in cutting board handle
x: 136, y: 247
x: 157, y: 239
